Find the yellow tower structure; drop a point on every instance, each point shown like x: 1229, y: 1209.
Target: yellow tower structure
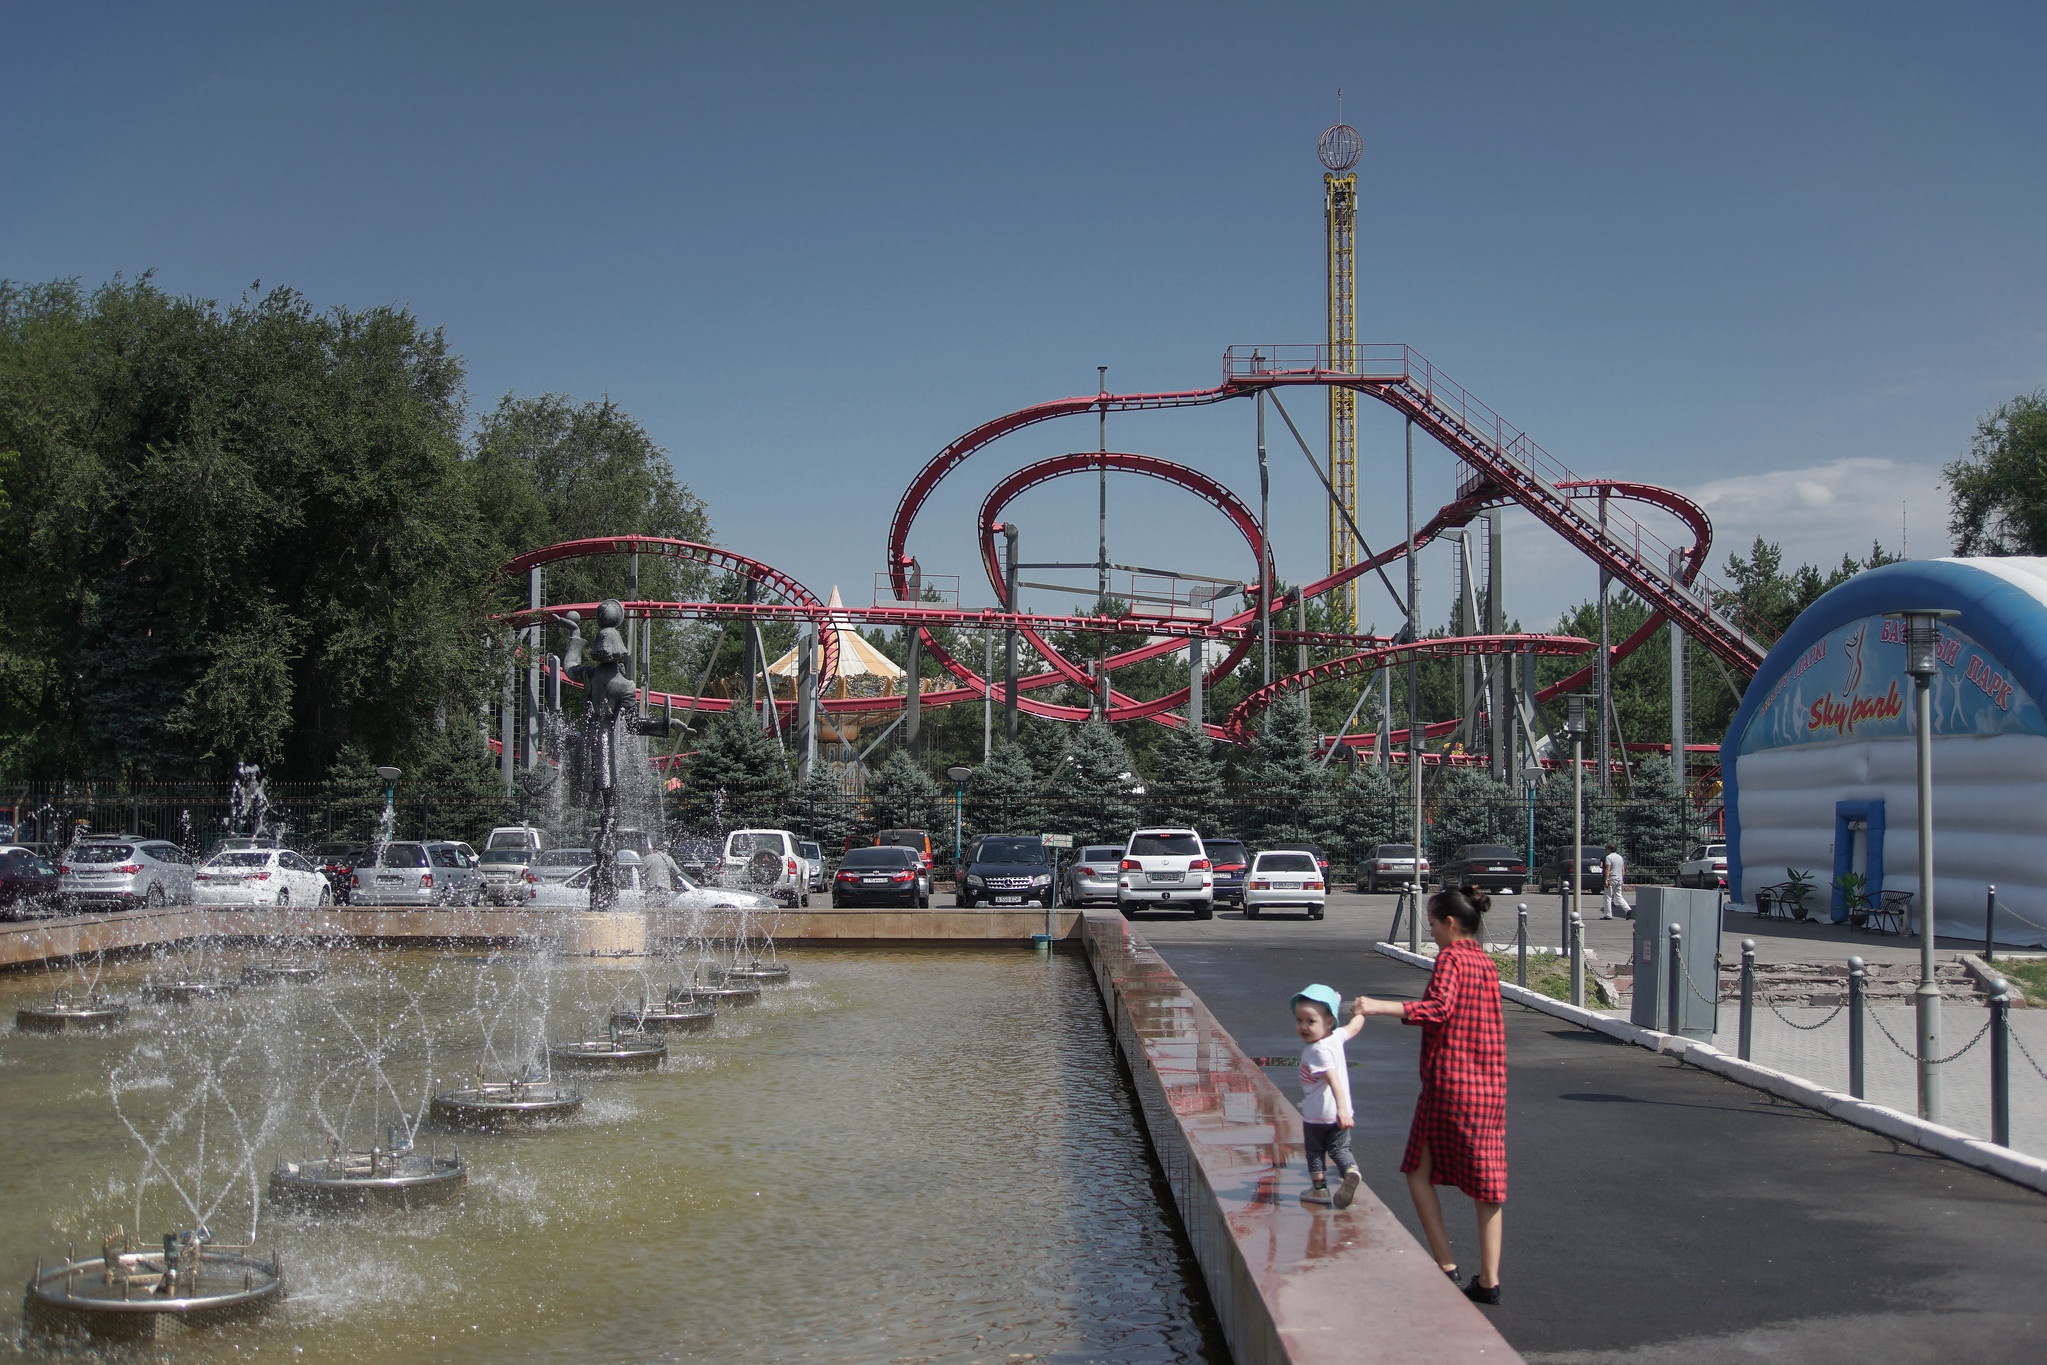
x: 1339, y: 149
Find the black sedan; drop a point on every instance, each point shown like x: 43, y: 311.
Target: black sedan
x: 1555, y: 873
x: 880, y: 876
x: 28, y: 884
x: 1489, y: 867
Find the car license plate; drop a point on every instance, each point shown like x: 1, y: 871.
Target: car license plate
x: 390, y: 881
x: 1165, y: 877
x: 874, y: 881
x: 1286, y: 886
x: 1502, y: 869
x: 1009, y: 900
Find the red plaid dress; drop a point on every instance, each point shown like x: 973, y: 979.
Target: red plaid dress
x: 1461, y: 1117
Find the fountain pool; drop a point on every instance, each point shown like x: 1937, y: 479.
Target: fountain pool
x: 924, y: 1155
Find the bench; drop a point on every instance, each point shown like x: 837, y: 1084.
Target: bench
x: 1887, y: 916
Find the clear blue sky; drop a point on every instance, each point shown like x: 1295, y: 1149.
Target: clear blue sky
x: 1781, y: 257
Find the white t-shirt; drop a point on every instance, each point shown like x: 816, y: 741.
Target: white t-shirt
x: 1616, y: 870
x: 1319, y: 1061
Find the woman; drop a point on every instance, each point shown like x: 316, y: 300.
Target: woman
x: 1459, y: 1135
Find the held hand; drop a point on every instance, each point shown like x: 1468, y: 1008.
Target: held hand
x: 1350, y: 1120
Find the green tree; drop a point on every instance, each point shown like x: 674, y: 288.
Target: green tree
x: 901, y: 795
x: 1470, y: 808
x: 1094, y: 794
x: 1370, y: 809
x: 1653, y: 820
x: 1288, y: 780
x: 820, y: 809
x: 1186, y: 783
x: 356, y: 793
x: 1999, y: 504
x: 1003, y: 795
x: 738, y: 777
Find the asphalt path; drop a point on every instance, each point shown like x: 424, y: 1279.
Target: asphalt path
x: 1657, y: 1212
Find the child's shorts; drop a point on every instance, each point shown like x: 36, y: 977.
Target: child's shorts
x: 1328, y: 1146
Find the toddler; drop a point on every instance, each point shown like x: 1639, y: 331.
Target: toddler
x: 1326, y: 1115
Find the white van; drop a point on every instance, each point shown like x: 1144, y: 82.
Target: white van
x: 1166, y: 868
x: 768, y: 862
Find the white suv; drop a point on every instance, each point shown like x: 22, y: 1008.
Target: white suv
x: 1167, y: 868
x: 766, y: 861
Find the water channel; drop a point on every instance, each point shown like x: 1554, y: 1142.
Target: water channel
x: 901, y: 1156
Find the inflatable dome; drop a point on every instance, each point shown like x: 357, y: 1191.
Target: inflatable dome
x: 1819, y: 767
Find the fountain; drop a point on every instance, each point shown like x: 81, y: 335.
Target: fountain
x: 185, y: 992
x: 281, y: 973
x: 592, y: 764
x: 95, y: 1011
x: 121, y: 1294
x: 396, y: 1175
x: 673, y: 1014
x: 619, y: 1051
x: 493, y: 1106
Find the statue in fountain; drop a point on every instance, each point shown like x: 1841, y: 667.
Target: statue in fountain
x: 604, y: 670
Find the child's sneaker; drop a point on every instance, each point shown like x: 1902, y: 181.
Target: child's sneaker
x: 1348, y: 1190
x: 1317, y: 1194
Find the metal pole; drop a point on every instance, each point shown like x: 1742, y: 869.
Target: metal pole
x: 1858, y: 978
x: 1417, y: 734
x: 1265, y: 542
x: 1009, y: 643
x: 1577, y: 959
x: 958, y: 802
x: 1578, y: 822
x: 1102, y: 521
x: 1604, y: 671
x: 1928, y: 995
x: 1414, y: 913
x: 1990, y: 925
x: 987, y: 695
x: 1671, y: 977
x: 1521, y: 945
x: 534, y: 638
x: 2000, y: 1065
x: 1197, y: 660
x: 1748, y: 998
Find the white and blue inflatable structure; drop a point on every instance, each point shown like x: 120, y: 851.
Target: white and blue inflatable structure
x: 1819, y: 767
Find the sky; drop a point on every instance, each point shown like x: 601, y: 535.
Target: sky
x: 1781, y: 258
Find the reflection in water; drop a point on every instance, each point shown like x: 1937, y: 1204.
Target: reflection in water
x: 903, y: 1156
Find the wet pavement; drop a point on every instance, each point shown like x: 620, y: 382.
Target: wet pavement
x: 1658, y: 1213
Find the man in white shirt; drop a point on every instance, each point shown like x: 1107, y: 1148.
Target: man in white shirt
x: 1616, y: 869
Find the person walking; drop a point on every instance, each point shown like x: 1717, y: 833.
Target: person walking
x: 1459, y: 1134
x: 1614, y: 873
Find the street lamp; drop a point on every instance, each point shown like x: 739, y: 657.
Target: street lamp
x: 1922, y: 661
x: 1530, y: 775
x: 959, y: 773
x: 1575, y: 727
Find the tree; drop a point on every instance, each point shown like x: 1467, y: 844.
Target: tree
x: 1094, y: 794
x: 1003, y: 795
x: 1370, y: 809
x: 1653, y: 820
x: 1999, y: 488
x: 1288, y: 780
x: 901, y: 795
x: 1470, y: 808
x: 1186, y: 783
x: 821, y: 809
x: 356, y: 794
x: 1553, y: 815
x: 738, y: 777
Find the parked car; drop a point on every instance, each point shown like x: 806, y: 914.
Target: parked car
x: 28, y: 884
x: 573, y: 892
x: 259, y: 876
x: 118, y: 873
x: 765, y: 861
x: 1284, y: 879
x: 1391, y: 865
x: 560, y: 864
x: 1166, y: 868
x: 912, y: 839
x: 457, y: 875
x: 507, y: 873
x: 1321, y: 854
x: 522, y: 837
x: 337, y: 863
x: 1555, y: 873
x: 813, y: 863
x: 1229, y: 860
x: 1488, y: 867
x: 1007, y: 869
x: 879, y: 875
x: 1707, y: 867
x: 699, y: 859
x: 401, y: 874
x: 1090, y: 879
x: 690, y: 895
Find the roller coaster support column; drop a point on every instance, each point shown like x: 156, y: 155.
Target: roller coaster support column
x: 1496, y: 670
x: 1417, y: 734
x: 1265, y: 540
x: 535, y: 637
x: 1009, y: 637
x: 913, y: 658
x: 1574, y: 726
x: 1677, y: 692
x: 1603, y: 669
x: 806, y: 704
x: 1197, y: 660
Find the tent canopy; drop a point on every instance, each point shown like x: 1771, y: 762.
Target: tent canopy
x: 857, y: 658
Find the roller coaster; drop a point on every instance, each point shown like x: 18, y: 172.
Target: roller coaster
x: 1500, y: 466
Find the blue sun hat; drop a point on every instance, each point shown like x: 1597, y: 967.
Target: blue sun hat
x: 1321, y: 995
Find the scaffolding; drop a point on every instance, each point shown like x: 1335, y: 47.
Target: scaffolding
x: 1338, y: 149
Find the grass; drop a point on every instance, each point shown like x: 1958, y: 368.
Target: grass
x: 2030, y: 976
x: 1550, y: 975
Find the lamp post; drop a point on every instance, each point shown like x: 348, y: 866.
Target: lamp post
x: 390, y: 776
x: 1530, y: 775
x: 1575, y: 727
x: 1922, y: 661
x: 959, y: 773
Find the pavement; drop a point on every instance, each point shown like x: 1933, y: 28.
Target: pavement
x: 1656, y: 1212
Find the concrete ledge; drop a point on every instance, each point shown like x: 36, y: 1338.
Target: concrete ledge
x: 34, y: 942
x: 1958, y: 1146
x: 1289, y: 1282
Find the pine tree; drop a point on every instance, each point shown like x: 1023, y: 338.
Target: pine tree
x: 1470, y: 808
x: 1289, y: 782
x: 1186, y: 784
x: 1003, y: 795
x: 737, y: 777
x: 901, y: 795
x: 1553, y: 817
x: 1653, y: 820
x: 1094, y: 795
x: 358, y: 793
x: 820, y: 809
x: 1370, y: 809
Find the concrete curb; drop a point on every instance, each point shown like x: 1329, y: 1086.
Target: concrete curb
x: 2003, y: 1162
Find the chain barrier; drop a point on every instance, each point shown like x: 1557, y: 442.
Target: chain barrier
x: 1685, y: 968
x: 1914, y: 1056
x: 2013, y: 1034
x: 2004, y: 909
x: 1805, y: 1028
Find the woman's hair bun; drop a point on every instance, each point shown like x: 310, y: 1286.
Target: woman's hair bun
x: 1480, y: 901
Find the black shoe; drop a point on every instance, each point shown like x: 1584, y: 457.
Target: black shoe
x: 1478, y: 1293
x: 1451, y: 1272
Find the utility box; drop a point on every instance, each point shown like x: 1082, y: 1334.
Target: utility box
x: 1697, y: 916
